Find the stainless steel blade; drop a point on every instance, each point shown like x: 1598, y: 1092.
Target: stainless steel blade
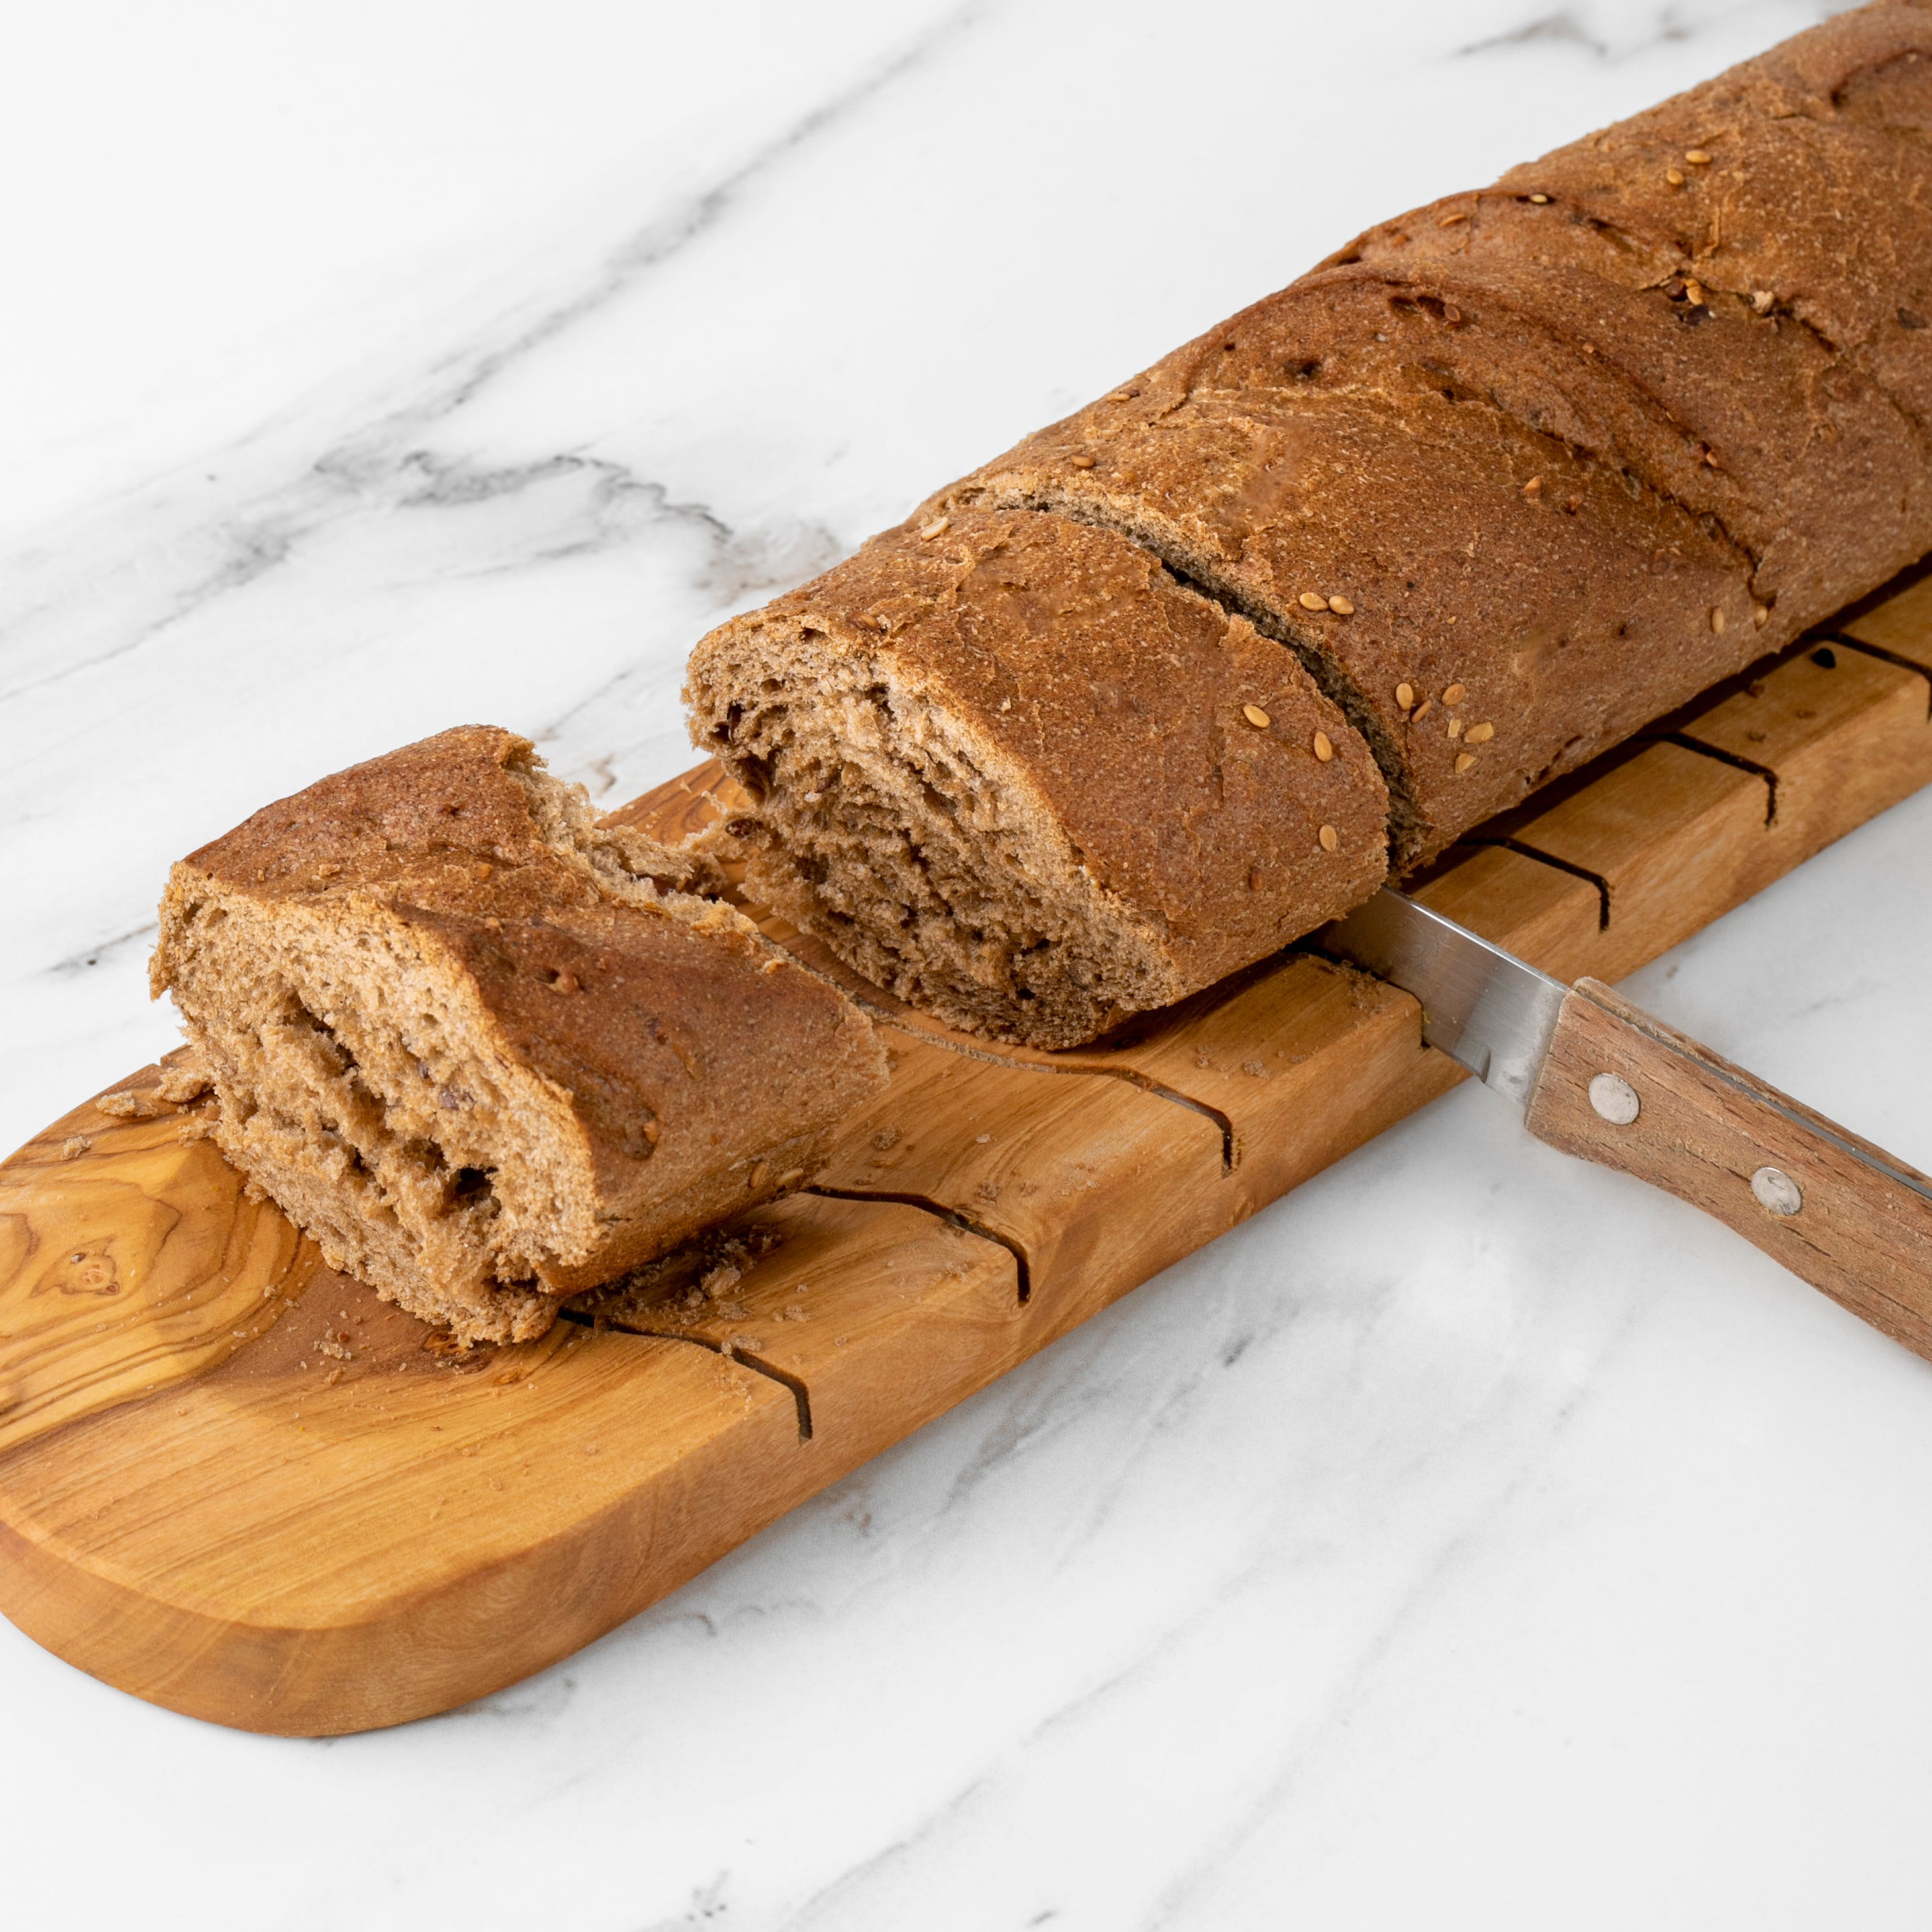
x: 1483, y: 1007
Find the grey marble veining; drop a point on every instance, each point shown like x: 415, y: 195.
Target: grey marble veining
x: 1472, y: 1538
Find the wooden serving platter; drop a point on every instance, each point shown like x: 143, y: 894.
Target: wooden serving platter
x: 234, y: 1483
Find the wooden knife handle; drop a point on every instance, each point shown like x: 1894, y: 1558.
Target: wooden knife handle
x: 1622, y: 1088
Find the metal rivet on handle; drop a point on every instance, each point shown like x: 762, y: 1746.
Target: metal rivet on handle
x: 1614, y: 1098
x: 1776, y: 1191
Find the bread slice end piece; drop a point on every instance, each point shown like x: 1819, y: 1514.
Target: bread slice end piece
x: 402, y: 1064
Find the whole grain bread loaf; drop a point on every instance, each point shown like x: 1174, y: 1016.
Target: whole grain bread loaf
x: 486, y: 1051
x: 1509, y: 477
x: 1019, y: 775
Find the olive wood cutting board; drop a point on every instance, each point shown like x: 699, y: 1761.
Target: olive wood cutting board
x: 234, y: 1483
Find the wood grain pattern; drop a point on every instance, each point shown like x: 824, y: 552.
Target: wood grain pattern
x: 310, y: 1542
x: 1844, y: 1215
x: 138, y: 1265
x: 233, y: 1482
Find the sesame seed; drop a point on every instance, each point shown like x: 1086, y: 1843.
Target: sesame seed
x: 1341, y: 607
x: 937, y: 527
x: 1534, y: 487
x: 1695, y: 290
x: 1464, y: 759
x: 1312, y: 600
x: 1673, y: 177
x: 1256, y: 716
x: 1404, y: 695
x: 1541, y: 200
x: 1762, y: 300
x: 1697, y: 157
x: 1422, y: 711
x: 1481, y: 734
x: 1455, y: 727
x: 1717, y: 621
x: 1330, y: 839
x: 1760, y: 615
x: 1325, y: 746
x: 1083, y: 462
x: 1454, y: 695
x: 1450, y: 220
x: 1254, y: 878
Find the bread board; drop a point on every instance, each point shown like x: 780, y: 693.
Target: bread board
x: 235, y: 1483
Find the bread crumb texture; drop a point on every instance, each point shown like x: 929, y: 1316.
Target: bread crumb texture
x: 488, y: 1052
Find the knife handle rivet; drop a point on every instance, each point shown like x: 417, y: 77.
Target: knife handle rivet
x: 1614, y: 1098
x: 1776, y: 1191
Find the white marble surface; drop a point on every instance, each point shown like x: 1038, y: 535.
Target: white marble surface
x: 1472, y: 1539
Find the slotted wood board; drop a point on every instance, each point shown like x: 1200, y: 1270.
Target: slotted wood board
x: 233, y: 1482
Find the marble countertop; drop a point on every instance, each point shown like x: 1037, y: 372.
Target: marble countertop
x: 1473, y: 1538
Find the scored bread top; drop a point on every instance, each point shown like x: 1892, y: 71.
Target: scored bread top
x: 1174, y: 748
x: 1482, y: 639
x: 1765, y: 304
x: 646, y: 1005
x: 1809, y: 184
x: 1574, y: 447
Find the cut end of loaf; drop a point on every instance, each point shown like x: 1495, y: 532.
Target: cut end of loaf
x: 888, y: 825
x: 480, y: 1082
x: 357, y: 1085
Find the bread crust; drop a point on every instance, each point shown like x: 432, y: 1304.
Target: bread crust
x: 1489, y: 607
x: 673, y: 1064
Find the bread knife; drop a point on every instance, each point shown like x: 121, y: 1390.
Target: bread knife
x: 1601, y: 1079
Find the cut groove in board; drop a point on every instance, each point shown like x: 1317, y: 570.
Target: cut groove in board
x: 237, y: 1483
x: 1734, y: 759
x: 1898, y: 658
x: 1022, y: 1267
x: 1596, y: 879
x: 800, y: 1394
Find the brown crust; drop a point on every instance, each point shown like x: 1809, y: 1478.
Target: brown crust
x: 1409, y: 506
x: 1068, y: 653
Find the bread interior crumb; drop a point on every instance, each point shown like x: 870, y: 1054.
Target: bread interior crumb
x: 936, y: 869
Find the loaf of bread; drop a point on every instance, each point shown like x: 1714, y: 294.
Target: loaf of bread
x: 487, y: 1053
x: 1508, y: 478
x: 1021, y: 776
